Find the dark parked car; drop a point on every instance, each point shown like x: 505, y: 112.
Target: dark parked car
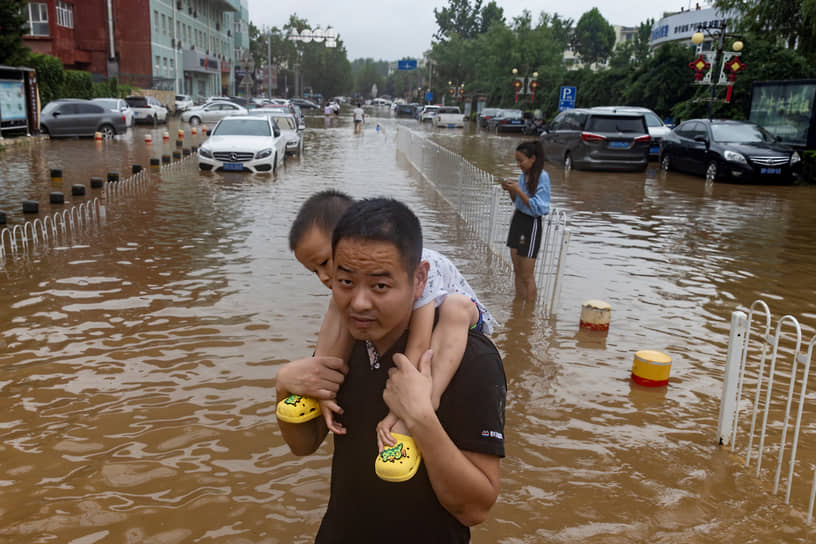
x: 485, y: 115
x: 305, y: 104
x: 729, y: 150
x: 407, y: 110
x: 597, y: 140
x: 77, y: 117
x: 506, y: 120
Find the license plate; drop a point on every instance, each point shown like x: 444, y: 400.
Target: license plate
x: 233, y: 166
x: 619, y: 144
x: 770, y: 170
x: 451, y: 125
x: 516, y: 122
x: 654, y: 149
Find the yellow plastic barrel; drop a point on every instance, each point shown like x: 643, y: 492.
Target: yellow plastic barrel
x: 651, y: 368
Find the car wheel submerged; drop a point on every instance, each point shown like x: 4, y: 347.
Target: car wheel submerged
x: 195, y: 121
x: 107, y: 131
x: 711, y: 172
x: 567, y: 162
x: 665, y: 162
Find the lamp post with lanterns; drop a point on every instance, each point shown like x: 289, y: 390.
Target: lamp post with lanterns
x: 704, y: 64
x: 525, y: 85
x: 454, y: 90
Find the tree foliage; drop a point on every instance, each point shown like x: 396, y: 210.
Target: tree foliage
x: 593, y: 38
x: 12, y: 27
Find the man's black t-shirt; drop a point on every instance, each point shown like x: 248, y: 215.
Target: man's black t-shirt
x: 362, y: 507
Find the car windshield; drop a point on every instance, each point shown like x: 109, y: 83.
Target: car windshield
x: 242, y: 127
x: 286, y: 123
x: 448, y: 110
x: 512, y: 114
x: 136, y: 101
x: 740, y: 133
x: 616, y: 123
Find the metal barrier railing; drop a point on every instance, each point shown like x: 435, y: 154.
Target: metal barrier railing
x: 64, y: 225
x: 740, y: 344
x: 475, y: 195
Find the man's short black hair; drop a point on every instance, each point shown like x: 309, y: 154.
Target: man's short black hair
x: 383, y: 220
x: 322, y: 210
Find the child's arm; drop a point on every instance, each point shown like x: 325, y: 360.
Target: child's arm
x: 419, y: 332
x: 334, y: 340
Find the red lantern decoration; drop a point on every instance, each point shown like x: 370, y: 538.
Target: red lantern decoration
x: 517, y: 84
x: 700, y: 65
x: 733, y: 66
x: 534, y: 84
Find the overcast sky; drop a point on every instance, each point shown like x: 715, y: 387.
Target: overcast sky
x: 390, y: 30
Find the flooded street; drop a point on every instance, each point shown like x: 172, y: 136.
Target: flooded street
x: 138, y: 362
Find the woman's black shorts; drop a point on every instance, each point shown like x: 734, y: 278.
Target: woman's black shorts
x: 525, y: 234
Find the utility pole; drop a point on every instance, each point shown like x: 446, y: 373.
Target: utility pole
x: 269, y: 62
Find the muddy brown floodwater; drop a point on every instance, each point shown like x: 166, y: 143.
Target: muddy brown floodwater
x: 138, y: 361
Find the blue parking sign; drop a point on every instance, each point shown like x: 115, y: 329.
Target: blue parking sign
x: 566, y: 98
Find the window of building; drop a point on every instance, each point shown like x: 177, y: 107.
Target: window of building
x: 155, y: 21
x: 166, y: 71
x: 164, y: 24
x: 65, y: 14
x: 38, y: 19
x: 158, y: 63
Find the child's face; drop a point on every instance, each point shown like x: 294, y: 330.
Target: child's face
x: 315, y: 253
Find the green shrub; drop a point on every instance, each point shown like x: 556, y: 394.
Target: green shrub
x: 809, y: 166
x: 76, y: 84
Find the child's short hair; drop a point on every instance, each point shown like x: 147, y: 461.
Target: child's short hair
x: 322, y: 210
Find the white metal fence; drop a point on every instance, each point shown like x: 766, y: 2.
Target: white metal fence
x: 480, y: 202
x: 756, y: 362
x: 63, y: 226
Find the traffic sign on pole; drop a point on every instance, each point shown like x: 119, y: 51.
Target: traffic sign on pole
x: 409, y: 64
x: 566, y: 98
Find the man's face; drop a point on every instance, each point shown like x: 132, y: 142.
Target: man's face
x: 314, y: 252
x: 373, y: 291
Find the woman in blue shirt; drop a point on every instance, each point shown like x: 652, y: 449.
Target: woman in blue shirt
x: 531, y: 196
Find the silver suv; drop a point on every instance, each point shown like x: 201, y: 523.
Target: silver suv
x: 597, y: 140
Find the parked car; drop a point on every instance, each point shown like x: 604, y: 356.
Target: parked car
x: 428, y: 113
x: 506, y: 120
x: 597, y: 140
x: 243, y: 143
x: 485, y: 115
x: 77, y: 117
x: 449, y: 117
x: 147, y: 109
x: 288, y: 125
x: 657, y: 128
x: 212, y: 112
x: 407, y: 110
x: 183, y: 102
x: 117, y: 105
x: 305, y: 104
x: 729, y: 150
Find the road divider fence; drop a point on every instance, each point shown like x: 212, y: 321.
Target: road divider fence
x: 477, y: 198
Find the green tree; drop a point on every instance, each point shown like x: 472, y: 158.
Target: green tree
x: 459, y: 17
x: 793, y: 21
x: 593, y: 38
x: 490, y: 15
x: 12, y: 28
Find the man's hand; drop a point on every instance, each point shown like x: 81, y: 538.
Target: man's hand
x: 408, y: 389
x: 316, y: 377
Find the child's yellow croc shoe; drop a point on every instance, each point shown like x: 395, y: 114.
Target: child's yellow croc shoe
x: 400, y: 462
x: 297, y: 409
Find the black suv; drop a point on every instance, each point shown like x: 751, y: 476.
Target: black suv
x: 597, y: 140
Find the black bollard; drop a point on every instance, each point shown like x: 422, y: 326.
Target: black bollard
x: 165, y: 159
x: 176, y: 155
x: 57, y: 198
x: 96, y: 183
x: 31, y: 206
x: 136, y: 168
x: 185, y: 152
x: 2, y: 218
x: 179, y: 143
x: 194, y: 149
x: 78, y: 190
x: 56, y: 174
x: 154, y: 163
x: 113, y: 176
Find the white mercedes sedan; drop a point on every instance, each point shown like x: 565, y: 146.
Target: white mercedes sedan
x: 238, y: 144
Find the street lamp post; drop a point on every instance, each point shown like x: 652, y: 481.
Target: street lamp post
x: 706, y: 62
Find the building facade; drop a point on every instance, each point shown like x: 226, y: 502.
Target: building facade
x: 186, y: 46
